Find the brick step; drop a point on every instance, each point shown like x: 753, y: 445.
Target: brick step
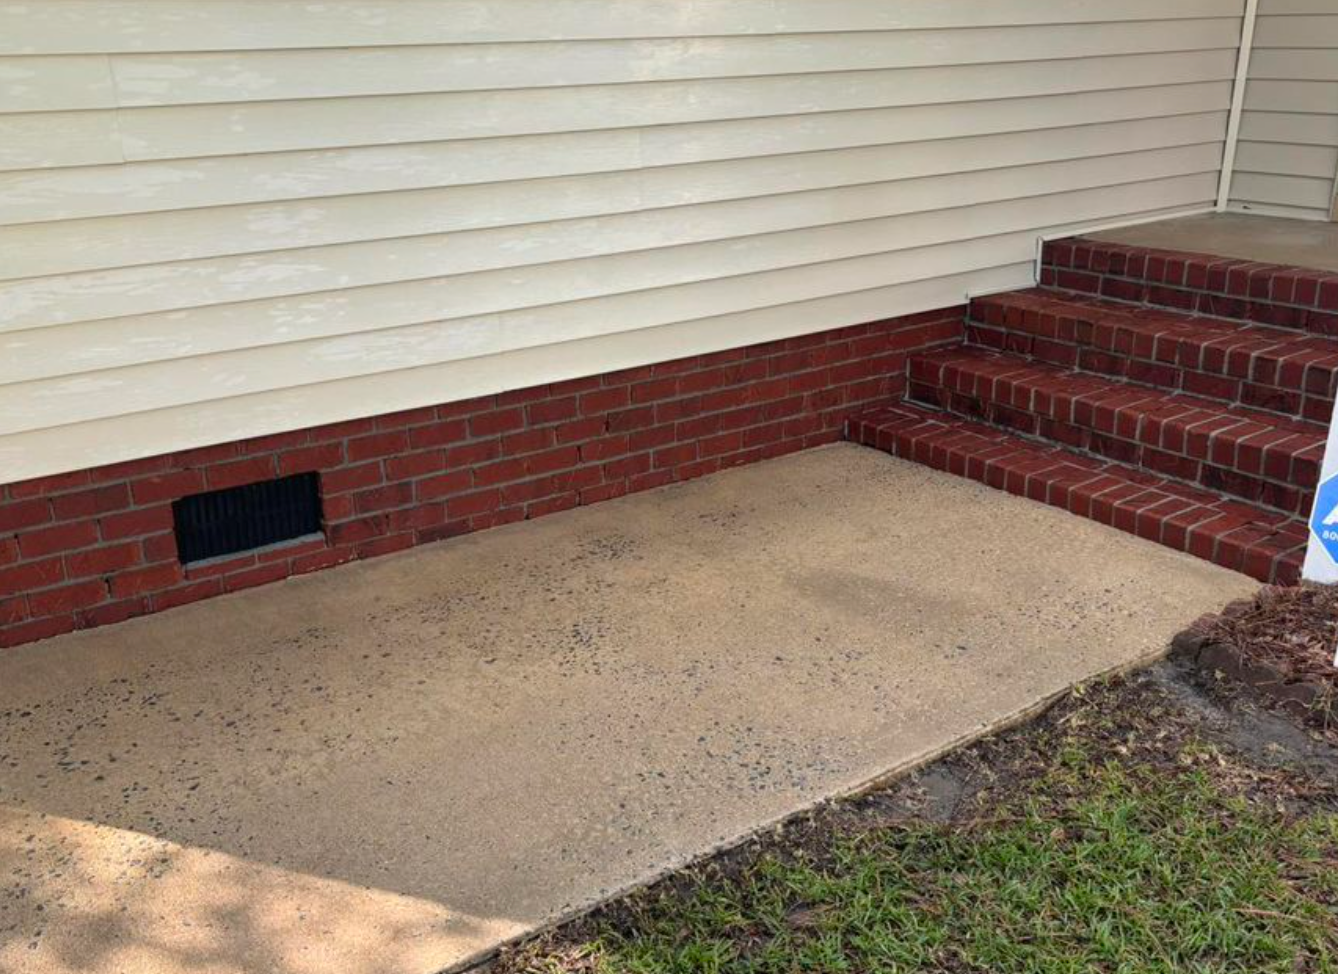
x: 1264, y: 544
x: 1226, y: 287
x: 1255, y: 366
x: 1257, y: 457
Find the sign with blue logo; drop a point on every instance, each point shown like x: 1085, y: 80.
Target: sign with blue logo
x: 1324, y: 519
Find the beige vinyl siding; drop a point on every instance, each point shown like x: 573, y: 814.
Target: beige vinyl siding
x: 1287, y: 160
x: 224, y: 218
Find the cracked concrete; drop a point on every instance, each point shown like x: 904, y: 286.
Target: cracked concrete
x: 391, y: 767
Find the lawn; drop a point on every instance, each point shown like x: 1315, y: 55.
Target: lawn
x: 1123, y: 832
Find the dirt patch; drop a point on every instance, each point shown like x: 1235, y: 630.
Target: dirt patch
x: 1280, y: 644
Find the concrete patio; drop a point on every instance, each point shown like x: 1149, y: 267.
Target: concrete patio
x: 393, y: 767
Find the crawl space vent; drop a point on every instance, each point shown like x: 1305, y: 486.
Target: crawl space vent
x: 240, y: 519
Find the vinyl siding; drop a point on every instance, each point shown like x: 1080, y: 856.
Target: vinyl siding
x: 224, y: 218
x: 1287, y: 161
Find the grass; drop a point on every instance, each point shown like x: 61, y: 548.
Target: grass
x: 1091, y: 858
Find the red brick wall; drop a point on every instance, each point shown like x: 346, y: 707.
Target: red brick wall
x: 96, y: 546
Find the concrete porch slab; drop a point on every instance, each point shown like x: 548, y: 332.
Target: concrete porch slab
x: 392, y: 767
x: 1267, y: 239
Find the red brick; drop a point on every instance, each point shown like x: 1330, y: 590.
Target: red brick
x: 150, y: 520
x: 61, y: 537
x: 376, y: 445
x: 469, y: 454
x: 416, y: 518
x: 497, y: 421
x: 320, y: 560
x: 110, y: 613
x: 353, y: 532
x: 407, y: 417
x: 605, y: 400
x: 251, y: 577
x: 204, y: 456
x: 526, y: 441
x: 31, y: 632
x: 17, y: 515
x: 351, y: 478
x: 103, y: 561
x: 383, y: 498
x: 167, y: 487
x: 519, y: 397
x: 413, y: 465
x: 144, y: 581
x: 308, y: 459
x: 552, y: 410
x: 13, y: 610
x: 385, y: 545
x: 469, y: 505
x: 55, y: 601
x: 552, y: 460
x: 240, y: 472
x: 159, y: 547
x: 440, y: 433
x: 455, y: 482
x: 47, y: 486
x: 90, y: 503
x: 186, y: 594
x: 31, y: 575
x: 500, y: 472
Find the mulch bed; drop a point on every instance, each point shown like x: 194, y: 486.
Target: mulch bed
x: 1281, y: 643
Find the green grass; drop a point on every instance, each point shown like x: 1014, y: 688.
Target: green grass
x: 1098, y: 865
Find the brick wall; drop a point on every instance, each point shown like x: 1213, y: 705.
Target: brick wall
x: 95, y: 547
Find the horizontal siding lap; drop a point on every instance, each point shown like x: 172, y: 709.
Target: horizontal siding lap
x: 73, y: 26
x: 65, y: 247
x: 976, y: 233
x: 1289, y: 162
x: 246, y: 215
x: 148, y: 186
x: 47, y: 301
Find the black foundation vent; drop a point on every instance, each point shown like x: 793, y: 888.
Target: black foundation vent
x: 239, y: 519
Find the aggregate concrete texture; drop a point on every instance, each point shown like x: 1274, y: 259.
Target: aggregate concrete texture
x: 392, y: 767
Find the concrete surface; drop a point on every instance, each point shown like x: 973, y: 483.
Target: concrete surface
x: 388, y: 768
x: 1267, y: 239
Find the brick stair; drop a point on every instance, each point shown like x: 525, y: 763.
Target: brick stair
x: 1266, y: 545
x: 1251, y: 455
x: 1240, y: 364
x: 1180, y: 397
x: 1227, y: 287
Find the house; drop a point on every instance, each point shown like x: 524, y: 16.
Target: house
x: 284, y: 285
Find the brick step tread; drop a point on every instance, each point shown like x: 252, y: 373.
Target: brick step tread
x: 1257, y: 456
x: 1293, y: 373
x: 1300, y: 298
x: 1243, y: 537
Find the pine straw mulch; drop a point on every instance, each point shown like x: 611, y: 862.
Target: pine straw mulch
x: 1281, y: 643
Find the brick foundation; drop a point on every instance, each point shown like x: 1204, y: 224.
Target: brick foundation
x: 95, y: 547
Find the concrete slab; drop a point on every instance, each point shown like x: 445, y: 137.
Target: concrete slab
x: 1267, y: 239
x: 392, y: 767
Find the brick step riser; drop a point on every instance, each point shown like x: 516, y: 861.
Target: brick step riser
x: 1266, y: 546
x: 1271, y: 478
x: 1251, y: 380
x: 1266, y: 294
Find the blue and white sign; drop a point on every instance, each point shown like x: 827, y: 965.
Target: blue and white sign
x: 1324, y: 518
x: 1321, y: 555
